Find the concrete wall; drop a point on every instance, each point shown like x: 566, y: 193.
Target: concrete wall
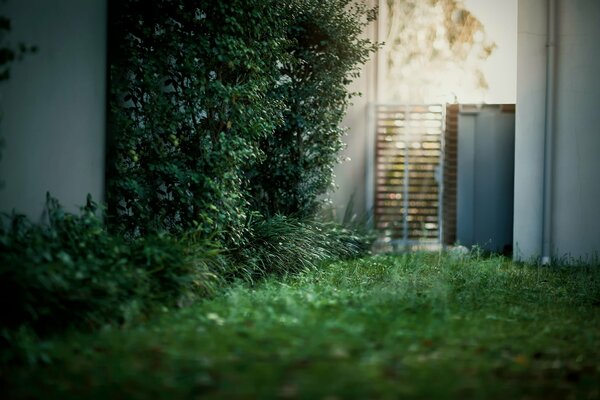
x: 576, y: 208
x: 576, y: 161
x: 53, y: 107
x: 529, y: 128
x: 485, y: 178
x: 354, y: 176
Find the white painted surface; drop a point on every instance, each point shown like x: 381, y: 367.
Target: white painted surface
x: 353, y: 173
x: 576, y: 160
x: 441, y: 82
x: 529, y: 129
x: 576, y: 211
x: 53, y: 107
x: 500, y: 21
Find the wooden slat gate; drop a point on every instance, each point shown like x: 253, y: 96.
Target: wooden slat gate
x: 408, y: 185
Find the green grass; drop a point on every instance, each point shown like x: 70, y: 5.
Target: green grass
x: 411, y: 326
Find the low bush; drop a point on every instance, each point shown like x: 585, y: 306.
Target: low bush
x: 71, y: 272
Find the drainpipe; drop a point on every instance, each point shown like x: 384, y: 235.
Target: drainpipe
x: 549, y: 134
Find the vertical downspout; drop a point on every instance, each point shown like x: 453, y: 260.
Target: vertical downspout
x: 549, y: 134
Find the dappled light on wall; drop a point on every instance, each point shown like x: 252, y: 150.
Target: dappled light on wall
x: 434, y: 52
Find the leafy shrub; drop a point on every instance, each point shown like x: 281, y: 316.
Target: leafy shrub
x: 223, y: 133
x: 71, y: 272
x: 326, y: 52
x: 215, y: 105
x: 189, y: 100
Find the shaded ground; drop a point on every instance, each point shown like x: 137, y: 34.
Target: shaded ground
x: 416, y: 326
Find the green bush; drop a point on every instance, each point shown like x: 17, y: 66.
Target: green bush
x: 223, y: 134
x: 72, y: 273
x: 189, y: 100
x: 218, y: 109
x: 326, y: 52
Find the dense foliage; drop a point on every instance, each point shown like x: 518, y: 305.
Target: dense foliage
x: 188, y: 101
x: 223, y: 133
x: 72, y: 273
x: 216, y: 105
x: 325, y: 52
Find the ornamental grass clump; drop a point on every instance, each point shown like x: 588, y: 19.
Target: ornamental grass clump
x: 284, y: 245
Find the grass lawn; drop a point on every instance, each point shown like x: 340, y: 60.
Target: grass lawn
x: 410, y: 326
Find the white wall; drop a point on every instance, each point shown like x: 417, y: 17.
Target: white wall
x: 500, y: 69
x: 352, y: 175
x: 53, y: 107
x: 576, y: 208
x: 576, y: 161
x: 529, y: 128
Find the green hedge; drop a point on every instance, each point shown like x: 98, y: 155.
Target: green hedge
x: 188, y: 103
x: 326, y: 52
x: 219, y: 109
x: 72, y: 273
